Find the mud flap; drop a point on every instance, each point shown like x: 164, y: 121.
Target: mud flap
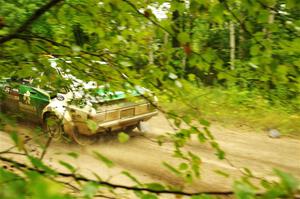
x: 143, y: 127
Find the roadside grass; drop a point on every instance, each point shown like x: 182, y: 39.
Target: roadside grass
x: 233, y: 107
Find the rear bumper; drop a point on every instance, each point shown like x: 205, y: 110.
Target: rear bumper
x: 110, y: 125
x: 121, y: 123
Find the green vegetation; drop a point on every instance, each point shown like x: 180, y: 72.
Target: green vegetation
x: 233, y: 61
x: 240, y: 108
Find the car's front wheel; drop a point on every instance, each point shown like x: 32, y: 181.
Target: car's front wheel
x: 53, y: 126
x: 82, y: 139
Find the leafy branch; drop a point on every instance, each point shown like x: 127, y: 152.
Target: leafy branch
x: 147, y: 17
x: 36, y: 15
x: 131, y: 188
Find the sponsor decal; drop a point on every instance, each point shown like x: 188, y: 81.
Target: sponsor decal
x: 26, y: 97
x: 26, y: 104
x: 7, y: 89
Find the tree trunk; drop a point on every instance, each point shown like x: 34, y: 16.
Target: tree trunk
x: 232, y: 44
x: 166, y: 39
x: 271, y: 19
x: 151, y: 54
x: 175, y: 27
x: 241, y: 44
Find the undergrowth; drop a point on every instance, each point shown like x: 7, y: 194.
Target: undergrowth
x: 235, y: 107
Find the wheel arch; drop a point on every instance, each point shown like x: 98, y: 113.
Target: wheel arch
x: 50, y: 109
x: 65, y: 117
x: 46, y: 114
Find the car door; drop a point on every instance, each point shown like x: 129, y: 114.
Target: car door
x: 32, y: 101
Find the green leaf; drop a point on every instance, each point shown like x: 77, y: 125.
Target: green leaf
x: 290, y: 3
x: 222, y: 173
x: 220, y: 153
x: 155, y: 186
x: 12, y: 185
x: 217, y: 12
x: 194, y: 157
x: 183, y: 37
x: 37, y: 163
x: 187, y: 119
x: 92, y: 125
x: 177, y: 122
x: 73, y: 155
x: 208, y: 133
x: 131, y: 177
x: 97, y: 176
x: 201, y: 137
x: 204, y: 122
x: 255, y: 50
x: 90, y: 189
x: 68, y: 166
x: 126, y: 63
x: 243, y: 191
x: 183, y: 166
x: 248, y: 172
x: 17, y: 139
x: 223, y: 76
x: 149, y: 196
x: 171, y: 168
x: 263, y: 16
x: 39, y: 186
x: 289, y: 182
x: 123, y: 137
x: 202, y: 196
x: 192, y: 77
x: 104, y: 159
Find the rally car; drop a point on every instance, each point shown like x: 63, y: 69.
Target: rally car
x: 64, y: 112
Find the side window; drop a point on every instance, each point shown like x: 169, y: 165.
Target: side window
x: 14, y: 93
x: 9, y: 97
x: 10, y: 92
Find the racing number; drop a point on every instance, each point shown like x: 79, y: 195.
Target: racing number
x: 25, y: 103
x: 26, y: 98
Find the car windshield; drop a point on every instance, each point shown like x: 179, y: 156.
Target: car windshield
x: 52, y: 91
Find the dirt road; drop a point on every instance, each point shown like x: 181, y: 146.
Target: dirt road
x: 143, y: 157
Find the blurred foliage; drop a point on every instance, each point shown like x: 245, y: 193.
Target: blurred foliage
x: 117, y: 41
x: 32, y: 185
x: 236, y: 107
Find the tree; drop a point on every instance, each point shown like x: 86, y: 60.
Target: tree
x: 119, y: 32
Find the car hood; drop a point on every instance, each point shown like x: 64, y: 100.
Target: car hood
x: 102, y: 95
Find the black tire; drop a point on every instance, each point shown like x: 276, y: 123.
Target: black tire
x: 129, y: 129
x: 53, y: 126
x: 142, y: 127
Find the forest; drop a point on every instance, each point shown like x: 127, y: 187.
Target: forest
x: 226, y: 74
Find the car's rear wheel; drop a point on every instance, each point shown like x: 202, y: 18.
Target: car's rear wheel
x: 84, y: 140
x: 53, y: 126
x: 143, y: 127
x: 129, y: 129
